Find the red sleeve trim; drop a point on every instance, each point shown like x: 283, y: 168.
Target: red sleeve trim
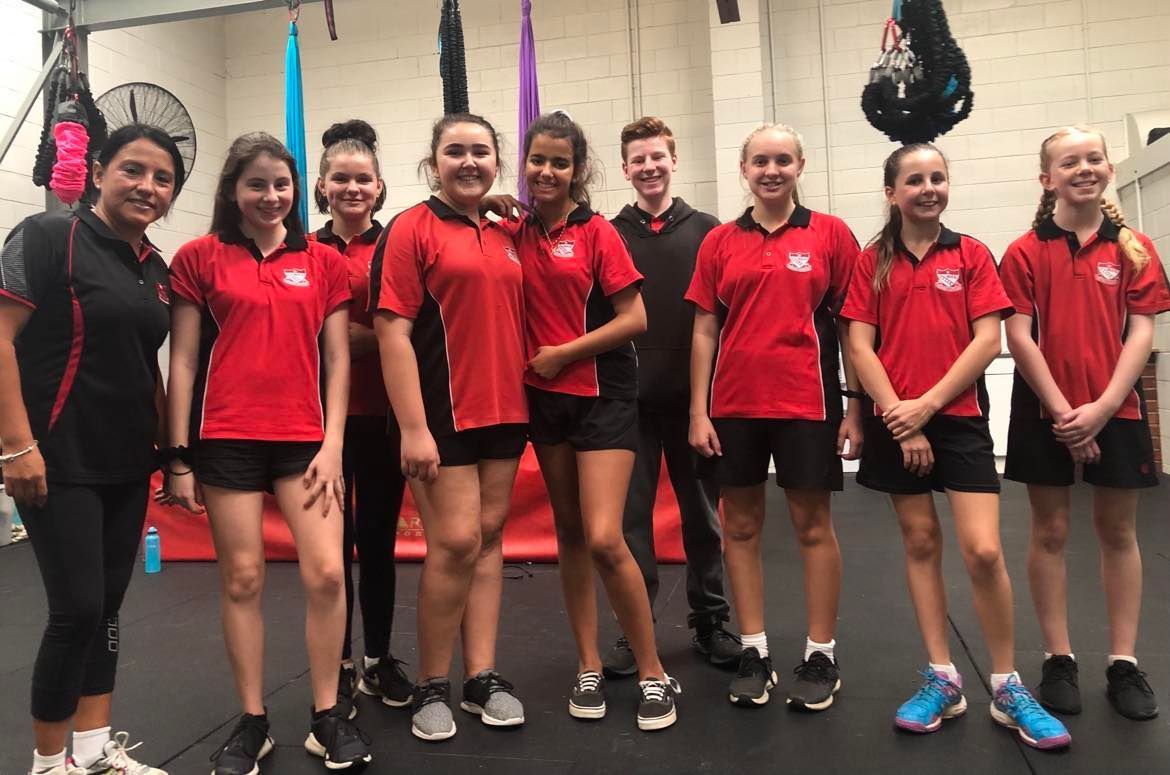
x: 18, y: 299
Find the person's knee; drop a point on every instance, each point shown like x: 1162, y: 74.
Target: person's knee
x: 607, y: 549
x: 984, y: 560
x: 459, y: 548
x: 922, y: 544
x: 325, y: 578
x: 243, y: 582
x: 741, y: 529
x: 1116, y: 536
x: 812, y: 533
x: 76, y: 622
x: 1050, y: 536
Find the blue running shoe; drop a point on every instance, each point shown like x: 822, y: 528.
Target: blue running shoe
x: 936, y: 700
x: 1014, y: 707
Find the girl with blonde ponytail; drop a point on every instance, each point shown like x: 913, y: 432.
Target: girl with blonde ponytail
x: 1085, y: 288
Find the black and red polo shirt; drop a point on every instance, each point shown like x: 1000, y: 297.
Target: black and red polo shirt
x: 88, y: 355
x: 569, y: 275
x: 462, y: 285
x: 260, y: 374
x: 367, y: 391
x: 1079, y: 298
x: 777, y: 296
x: 925, y: 311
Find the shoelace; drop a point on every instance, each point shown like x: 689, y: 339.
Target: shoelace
x: 933, y: 691
x: 752, y: 665
x: 814, y: 668
x: 588, y: 681
x: 433, y: 691
x: 396, y: 667
x: 655, y: 689
x: 345, y: 731
x: 1020, y: 698
x: 622, y: 643
x: 1063, y: 670
x: 120, y: 759
x: 1133, y: 677
x: 720, y: 632
x: 247, y: 738
x: 496, y: 683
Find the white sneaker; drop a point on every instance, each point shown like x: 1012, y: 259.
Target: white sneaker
x: 116, y: 760
x: 68, y: 768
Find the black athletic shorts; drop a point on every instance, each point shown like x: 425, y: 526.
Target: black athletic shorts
x: 586, y: 423
x: 240, y: 464
x: 805, y: 452
x: 964, y: 457
x: 494, y: 442
x: 1034, y: 456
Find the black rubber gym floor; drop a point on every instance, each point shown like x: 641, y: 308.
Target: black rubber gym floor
x: 175, y: 689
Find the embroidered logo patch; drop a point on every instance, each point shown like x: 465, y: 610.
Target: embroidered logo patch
x: 949, y: 280
x: 800, y: 262
x: 563, y: 249
x: 512, y: 254
x: 1108, y: 273
x: 296, y: 277
x: 164, y: 293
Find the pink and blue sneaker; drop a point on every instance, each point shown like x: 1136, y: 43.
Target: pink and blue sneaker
x: 935, y: 700
x: 1014, y: 707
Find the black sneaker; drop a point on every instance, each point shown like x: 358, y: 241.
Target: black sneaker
x: 1058, y: 690
x: 619, y: 662
x: 719, y: 646
x: 656, y: 706
x: 587, y: 700
x: 1129, y: 692
x: 755, y: 678
x: 387, y: 679
x: 493, y: 699
x: 248, y: 743
x: 817, y: 680
x: 346, y: 683
x: 340, y: 743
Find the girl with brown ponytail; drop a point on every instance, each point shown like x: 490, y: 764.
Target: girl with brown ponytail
x: 1086, y: 289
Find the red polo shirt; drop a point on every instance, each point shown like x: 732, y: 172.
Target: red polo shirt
x: 777, y: 296
x: 463, y: 287
x: 924, y: 314
x: 260, y: 372
x: 1078, y: 297
x: 569, y: 275
x: 367, y: 391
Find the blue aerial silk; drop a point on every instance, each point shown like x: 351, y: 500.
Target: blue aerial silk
x: 294, y: 116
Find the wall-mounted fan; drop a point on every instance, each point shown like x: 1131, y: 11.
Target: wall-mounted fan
x: 149, y: 103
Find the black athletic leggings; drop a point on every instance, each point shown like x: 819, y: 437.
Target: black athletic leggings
x: 86, y: 539
x: 373, y: 487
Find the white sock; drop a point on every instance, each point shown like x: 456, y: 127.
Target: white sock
x: 1119, y: 657
x: 949, y: 672
x: 999, y: 679
x: 759, y: 642
x: 1070, y: 655
x: 811, y: 645
x: 90, y: 746
x: 46, y: 763
x: 369, y: 662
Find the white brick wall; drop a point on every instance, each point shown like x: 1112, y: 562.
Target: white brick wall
x: 186, y: 58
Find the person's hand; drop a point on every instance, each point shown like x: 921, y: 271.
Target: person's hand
x: 420, y: 455
x: 24, y: 479
x: 906, y: 418
x: 702, y: 437
x: 323, y: 480
x: 504, y: 205
x: 548, y: 361
x: 1081, y: 424
x: 850, y: 432
x: 1088, y: 452
x: 184, y: 491
x: 917, y: 456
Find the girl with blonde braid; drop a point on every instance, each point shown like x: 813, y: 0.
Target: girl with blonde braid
x: 1085, y: 288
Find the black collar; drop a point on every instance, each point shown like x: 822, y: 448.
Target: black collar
x: 580, y: 214
x: 946, y: 239
x: 801, y: 217
x: 104, y: 232
x: 325, y: 234
x: 446, y: 212
x: 1048, y: 230
x: 293, y: 240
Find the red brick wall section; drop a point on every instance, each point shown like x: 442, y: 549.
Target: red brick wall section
x: 1150, y: 392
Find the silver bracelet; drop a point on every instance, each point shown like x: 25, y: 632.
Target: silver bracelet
x: 9, y: 458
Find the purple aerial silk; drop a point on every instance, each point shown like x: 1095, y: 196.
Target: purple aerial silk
x: 529, y: 96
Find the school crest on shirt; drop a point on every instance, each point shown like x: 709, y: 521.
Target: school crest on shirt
x: 298, y: 278
x: 164, y: 293
x: 1108, y: 273
x: 563, y: 248
x: 949, y: 280
x: 799, y: 262
x: 511, y: 253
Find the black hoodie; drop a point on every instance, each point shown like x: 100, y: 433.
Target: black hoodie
x: 667, y: 260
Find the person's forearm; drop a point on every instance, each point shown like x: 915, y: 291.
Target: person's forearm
x: 967, y: 368
x: 336, y: 396
x: 1034, y: 369
x: 851, y: 381
x: 702, y: 357
x: 1130, y: 365
x: 872, y: 375
x: 15, y: 432
x: 623, y: 328
x: 400, y: 374
x: 180, y: 388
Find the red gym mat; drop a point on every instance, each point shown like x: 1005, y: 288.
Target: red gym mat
x: 528, y: 534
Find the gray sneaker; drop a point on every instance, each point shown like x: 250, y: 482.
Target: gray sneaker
x: 619, y: 662
x: 493, y: 699
x: 431, y: 717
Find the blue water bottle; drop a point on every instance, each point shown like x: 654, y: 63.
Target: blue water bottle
x: 153, y: 554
